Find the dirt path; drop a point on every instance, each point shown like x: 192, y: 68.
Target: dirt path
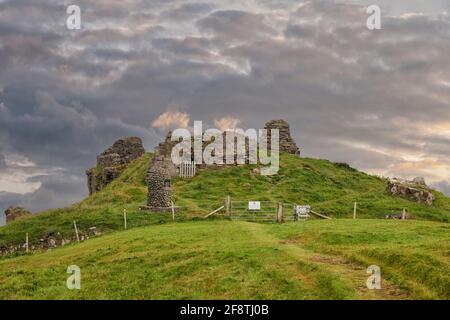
x: 317, y: 263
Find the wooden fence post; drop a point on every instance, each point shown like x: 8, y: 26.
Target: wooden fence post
x: 26, y: 242
x: 125, y: 219
x: 173, y: 210
x: 280, y: 213
x: 404, y: 214
x: 354, y: 210
x: 228, y: 205
x: 76, y: 230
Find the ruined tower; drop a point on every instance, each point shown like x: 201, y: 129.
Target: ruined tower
x: 287, y: 144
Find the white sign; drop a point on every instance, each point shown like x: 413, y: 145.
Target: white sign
x: 254, y: 205
x: 303, y: 210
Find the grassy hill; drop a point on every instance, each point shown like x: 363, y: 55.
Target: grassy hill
x: 194, y: 258
x: 329, y: 187
x: 220, y: 259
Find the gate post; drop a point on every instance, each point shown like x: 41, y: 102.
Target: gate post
x: 228, y: 205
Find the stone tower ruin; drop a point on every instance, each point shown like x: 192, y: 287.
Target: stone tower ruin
x: 287, y: 144
x: 159, y: 175
x: 159, y: 187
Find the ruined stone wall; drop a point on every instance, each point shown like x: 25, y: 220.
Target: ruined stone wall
x: 163, y: 154
x: 287, y: 143
x: 15, y: 213
x: 112, y: 162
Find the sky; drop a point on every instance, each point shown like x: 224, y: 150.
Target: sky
x: 376, y: 99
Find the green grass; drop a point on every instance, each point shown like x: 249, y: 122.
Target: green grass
x: 220, y: 259
x: 329, y: 187
x: 103, y: 210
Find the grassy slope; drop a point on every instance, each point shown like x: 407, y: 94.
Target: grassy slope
x: 330, y: 188
x: 222, y: 259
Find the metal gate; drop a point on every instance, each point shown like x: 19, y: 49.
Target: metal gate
x: 261, y: 211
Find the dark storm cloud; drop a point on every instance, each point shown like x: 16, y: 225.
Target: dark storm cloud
x: 235, y: 25
x: 2, y: 161
x: 58, y: 190
x: 54, y: 134
x: 188, y: 11
x: 443, y: 186
x: 375, y: 99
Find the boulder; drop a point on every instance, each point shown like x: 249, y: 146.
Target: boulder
x: 15, y: 213
x: 415, y: 190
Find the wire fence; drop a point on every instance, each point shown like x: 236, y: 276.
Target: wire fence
x: 81, y: 227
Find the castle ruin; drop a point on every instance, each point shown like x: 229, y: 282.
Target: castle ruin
x: 112, y: 162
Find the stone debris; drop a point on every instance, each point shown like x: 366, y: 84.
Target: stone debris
x: 415, y: 190
x: 398, y: 216
x: 112, y: 162
x: 49, y: 241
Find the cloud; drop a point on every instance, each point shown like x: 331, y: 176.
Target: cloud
x: 58, y: 190
x: 171, y: 120
x: 225, y: 123
x: 443, y: 186
x: 235, y: 26
x: 17, y: 170
x: 2, y: 162
x: 188, y: 11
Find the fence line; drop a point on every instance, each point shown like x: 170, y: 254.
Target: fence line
x: 238, y: 210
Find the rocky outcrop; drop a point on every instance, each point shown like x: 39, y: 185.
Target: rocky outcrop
x: 287, y: 144
x: 15, y: 213
x: 112, y: 162
x: 415, y: 190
